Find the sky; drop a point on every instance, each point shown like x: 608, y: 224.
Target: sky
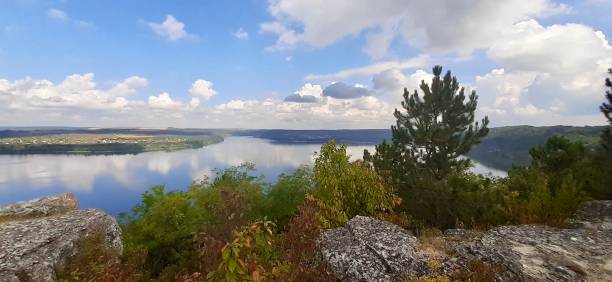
x: 296, y: 64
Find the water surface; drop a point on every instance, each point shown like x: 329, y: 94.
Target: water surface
x: 114, y: 182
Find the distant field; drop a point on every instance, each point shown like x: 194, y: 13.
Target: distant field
x: 78, y: 143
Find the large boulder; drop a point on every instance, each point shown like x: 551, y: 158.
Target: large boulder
x: 542, y: 253
x: 37, y: 237
x: 367, y: 249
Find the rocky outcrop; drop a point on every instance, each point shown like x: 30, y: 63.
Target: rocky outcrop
x: 371, y: 250
x: 595, y: 215
x: 367, y: 249
x: 38, y: 236
x: 541, y: 253
x: 47, y: 206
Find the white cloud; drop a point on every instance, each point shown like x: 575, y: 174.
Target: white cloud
x: 129, y: 86
x: 163, y: 101
x: 287, y: 38
x: 551, y: 75
x: 61, y: 16
x: 554, y: 49
x: 170, y: 29
x: 236, y: 105
x: 308, y: 94
x: 372, y: 69
x: 393, y: 81
x: 241, y: 34
x: 436, y: 26
x: 56, y: 14
x: 194, y: 103
x: 203, y: 88
x: 75, y: 92
x: 363, y: 112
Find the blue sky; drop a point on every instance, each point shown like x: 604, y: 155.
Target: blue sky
x: 295, y: 63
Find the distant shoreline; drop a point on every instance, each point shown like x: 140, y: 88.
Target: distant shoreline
x: 93, y: 144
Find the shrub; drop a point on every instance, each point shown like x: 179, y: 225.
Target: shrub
x: 250, y: 256
x: 344, y: 189
x: 175, y: 229
x: 282, y: 200
x: 94, y: 262
x: 301, y: 249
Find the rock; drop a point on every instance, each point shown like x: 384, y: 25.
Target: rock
x: 45, y: 236
x: 542, y: 253
x: 595, y: 215
x: 39, y: 207
x: 367, y: 249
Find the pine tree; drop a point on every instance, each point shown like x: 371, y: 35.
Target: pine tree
x: 606, y: 109
x: 433, y: 130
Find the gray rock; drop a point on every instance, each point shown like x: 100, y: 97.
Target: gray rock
x: 367, y: 249
x: 541, y: 253
x: 595, y: 215
x: 39, y: 207
x: 35, y: 247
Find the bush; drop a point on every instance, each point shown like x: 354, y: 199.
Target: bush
x: 175, y: 228
x: 251, y: 256
x: 344, y: 189
x: 282, y: 200
x: 300, y: 248
x: 537, y: 200
x: 94, y: 262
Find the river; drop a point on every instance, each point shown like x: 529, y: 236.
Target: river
x: 114, y: 183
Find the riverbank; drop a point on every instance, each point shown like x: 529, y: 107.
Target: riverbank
x: 101, y: 144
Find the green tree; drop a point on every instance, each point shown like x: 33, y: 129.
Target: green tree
x: 431, y: 133
x: 606, y: 109
x: 603, y: 158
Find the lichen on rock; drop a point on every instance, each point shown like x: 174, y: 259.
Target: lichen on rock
x: 371, y: 250
x: 45, y: 235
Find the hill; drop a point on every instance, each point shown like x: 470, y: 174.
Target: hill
x: 509, y: 145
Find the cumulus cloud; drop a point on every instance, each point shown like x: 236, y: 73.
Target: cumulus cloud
x: 340, y: 90
x: 551, y: 75
x: 438, y: 26
x: 308, y: 94
x: 75, y: 91
x: 170, y: 29
x: 394, y: 81
x: 568, y: 48
x: 241, y: 34
x: 202, y: 88
x: 129, y: 86
x: 363, y: 112
x: 163, y: 101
